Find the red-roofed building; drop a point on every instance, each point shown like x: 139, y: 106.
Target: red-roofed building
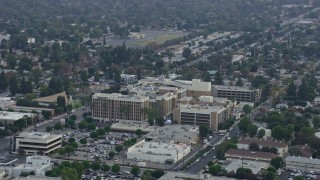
x: 235, y: 154
x: 282, y: 147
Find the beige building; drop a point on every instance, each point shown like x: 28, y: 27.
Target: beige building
x: 236, y: 154
x: 200, y: 114
x: 115, y: 107
x: 37, y: 142
x: 282, y: 148
x: 236, y: 92
x: 199, y: 88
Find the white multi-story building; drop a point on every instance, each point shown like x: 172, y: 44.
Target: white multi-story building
x: 37, y: 143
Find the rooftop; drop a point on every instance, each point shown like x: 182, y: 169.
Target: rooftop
x: 117, y: 96
x: 51, y: 98
x: 37, y: 135
x: 131, y: 126
x: 198, y: 108
x: 278, y: 144
x: 183, y: 176
x: 14, y: 116
x: 250, y: 154
x: 303, y: 160
x: 184, y: 133
x: 231, y: 88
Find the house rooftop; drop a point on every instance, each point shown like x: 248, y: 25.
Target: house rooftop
x: 278, y: 144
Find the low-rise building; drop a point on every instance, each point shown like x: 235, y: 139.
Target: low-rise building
x: 11, y: 117
x: 37, y: 142
x: 167, y: 144
x: 282, y: 147
x: 236, y: 154
x: 238, y: 93
x: 303, y: 164
x: 199, y: 88
x: 184, y: 176
x: 158, y: 151
x: 36, y: 164
x: 52, y: 99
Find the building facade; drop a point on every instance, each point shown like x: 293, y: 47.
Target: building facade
x: 236, y: 154
x: 115, y: 107
x: 236, y: 92
x: 281, y: 147
x: 37, y: 143
x: 200, y: 115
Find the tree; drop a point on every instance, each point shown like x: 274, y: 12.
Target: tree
x: 270, y: 175
x: 94, y: 135
x: 277, y: 133
x: 115, y: 168
x: 252, y: 130
x: 95, y: 166
x: 277, y: 162
x: 3, y: 81
x: 105, y: 168
x: 242, y: 173
x: 46, y: 114
x: 292, y: 90
x: 111, y: 154
x: 316, y: 122
x: 261, y: 133
x: 118, y: 148
x: 69, y: 174
x: 299, y: 178
x: 160, y: 121
x: 254, y: 147
x: 25, y: 86
x: 11, y: 61
x: 58, y: 126
x: 186, y: 53
x: 135, y: 170
x: 239, y: 82
x: 157, y: 173
x: 49, y: 128
x: 259, y: 81
x: 13, y: 85
x: 218, y: 78
x: 62, y: 151
x: 71, y: 140
x: 91, y: 126
x: 83, y: 140
x: 247, y: 109
x: 139, y: 132
x: 69, y: 149
x: 243, y: 124
x: 101, y: 132
x: 215, y: 169
x: 151, y: 122
x: 203, y: 130
x: 61, y: 101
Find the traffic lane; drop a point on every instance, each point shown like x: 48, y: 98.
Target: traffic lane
x: 198, y: 166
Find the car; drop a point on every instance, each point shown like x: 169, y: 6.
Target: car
x: 115, y: 159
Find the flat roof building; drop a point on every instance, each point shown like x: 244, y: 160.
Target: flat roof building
x: 36, y: 164
x: 115, y: 107
x: 37, y: 142
x: 237, y: 92
x: 282, y: 147
x: 186, y: 134
x: 11, y: 117
x: 236, y: 154
x: 200, y: 114
x: 303, y: 163
x: 167, y: 144
x: 52, y: 99
x: 158, y: 151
